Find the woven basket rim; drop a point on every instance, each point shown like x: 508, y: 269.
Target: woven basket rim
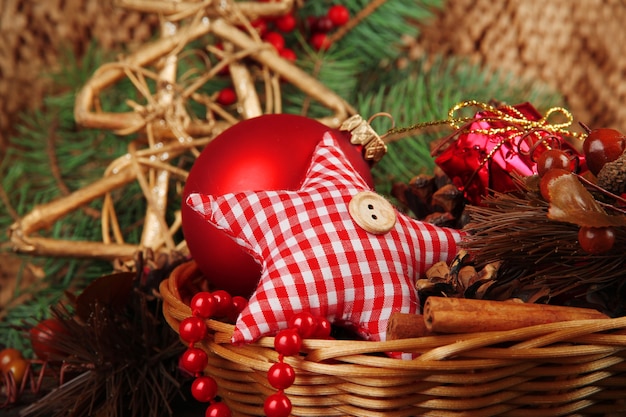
x: 441, y: 347
x: 568, y: 367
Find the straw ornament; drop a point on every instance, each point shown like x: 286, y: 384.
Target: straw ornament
x: 161, y: 115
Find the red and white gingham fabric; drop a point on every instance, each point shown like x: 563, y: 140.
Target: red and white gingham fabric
x: 315, y: 258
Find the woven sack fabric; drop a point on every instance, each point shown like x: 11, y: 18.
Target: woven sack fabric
x: 574, y: 47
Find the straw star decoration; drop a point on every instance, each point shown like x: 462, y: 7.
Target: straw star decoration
x: 315, y: 255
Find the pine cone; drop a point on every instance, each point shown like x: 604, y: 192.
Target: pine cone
x: 612, y: 176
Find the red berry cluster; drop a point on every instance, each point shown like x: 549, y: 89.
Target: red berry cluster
x: 273, y: 31
x: 13, y: 365
x: 288, y: 342
x: 321, y: 26
x: 205, y: 305
x: 600, y: 147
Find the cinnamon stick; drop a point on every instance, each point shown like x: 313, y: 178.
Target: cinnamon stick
x: 406, y: 326
x: 462, y: 315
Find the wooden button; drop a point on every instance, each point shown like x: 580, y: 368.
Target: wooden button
x: 372, y: 212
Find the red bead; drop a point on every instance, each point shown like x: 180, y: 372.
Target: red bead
x: 194, y: 360
x: 305, y: 323
x: 288, y: 342
x: 223, y: 302
x: 275, y: 39
x: 277, y: 405
x: 322, y: 24
x: 596, y: 240
x: 226, y: 96
x: 323, y: 328
x: 286, y: 23
x: 338, y: 14
x: 204, y: 389
x: 281, y: 375
x: 319, y: 41
x: 192, y: 329
x: 260, y: 25
x: 203, y: 305
x: 218, y: 410
x: 238, y: 303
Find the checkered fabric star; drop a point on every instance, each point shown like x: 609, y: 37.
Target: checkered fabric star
x: 315, y: 257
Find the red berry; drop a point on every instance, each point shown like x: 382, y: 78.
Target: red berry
x: 596, y: 240
x: 277, y: 405
x: 223, y: 302
x: 44, y: 338
x: 322, y: 24
x: 218, y: 410
x: 238, y: 303
x: 260, y: 25
x: 194, y: 360
x: 281, y: 375
x: 18, y: 368
x: 288, y: 54
x: 319, y: 41
x: 288, y: 342
x: 192, y: 329
x: 286, y: 23
x: 553, y: 158
x: 602, y: 146
x: 203, y: 305
x: 338, y: 14
x: 322, y: 329
x: 305, y: 323
x: 275, y: 39
x: 7, y: 355
x: 547, y: 179
x: 204, y: 389
x: 226, y: 96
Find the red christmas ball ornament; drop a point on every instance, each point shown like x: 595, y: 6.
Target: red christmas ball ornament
x: 269, y: 152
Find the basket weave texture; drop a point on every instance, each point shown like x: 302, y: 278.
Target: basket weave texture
x: 576, y: 50
x: 571, y: 368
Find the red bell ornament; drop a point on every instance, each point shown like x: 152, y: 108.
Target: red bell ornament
x: 269, y: 152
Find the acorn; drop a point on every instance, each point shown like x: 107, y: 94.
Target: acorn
x: 612, y: 176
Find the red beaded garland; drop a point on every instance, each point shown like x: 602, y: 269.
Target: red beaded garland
x: 323, y: 328
x: 277, y: 405
x: 281, y: 375
x: 218, y: 410
x: 194, y: 360
x: 192, y: 329
x: 203, y: 305
x: 204, y: 389
x: 305, y: 323
x: 223, y: 303
x: 288, y: 342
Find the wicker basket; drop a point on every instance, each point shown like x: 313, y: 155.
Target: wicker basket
x: 572, y: 368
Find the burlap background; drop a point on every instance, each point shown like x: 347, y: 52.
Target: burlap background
x: 575, y: 46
